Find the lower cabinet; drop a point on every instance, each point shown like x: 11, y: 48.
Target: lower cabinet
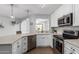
x: 20, y: 46
x: 70, y: 48
x: 44, y: 40
x: 31, y: 42
x: 16, y: 47
x: 24, y: 45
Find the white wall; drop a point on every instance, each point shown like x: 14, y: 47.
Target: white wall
x: 8, y: 28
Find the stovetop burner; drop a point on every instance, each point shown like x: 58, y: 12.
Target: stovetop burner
x: 59, y: 37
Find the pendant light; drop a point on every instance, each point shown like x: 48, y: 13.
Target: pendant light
x: 28, y: 16
x: 12, y: 16
x: 27, y: 13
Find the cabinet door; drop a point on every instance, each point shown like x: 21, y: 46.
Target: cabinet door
x: 33, y: 41
x: 16, y: 47
x: 24, y: 44
x: 44, y: 40
x: 29, y: 42
x: 54, y: 20
x: 76, y: 15
x: 67, y: 51
x: 69, y: 48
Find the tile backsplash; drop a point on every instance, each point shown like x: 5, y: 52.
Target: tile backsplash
x: 61, y: 29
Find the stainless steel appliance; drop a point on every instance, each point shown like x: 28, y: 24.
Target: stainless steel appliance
x: 69, y: 34
x: 66, y: 20
x: 58, y: 40
x: 58, y: 44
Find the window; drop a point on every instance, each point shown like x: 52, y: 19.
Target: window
x: 42, y: 25
x: 39, y: 27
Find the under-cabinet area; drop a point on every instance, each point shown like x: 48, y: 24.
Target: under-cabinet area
x: 39, y: 29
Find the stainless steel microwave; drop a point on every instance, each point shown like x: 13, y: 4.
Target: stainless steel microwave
x: 66, y: 20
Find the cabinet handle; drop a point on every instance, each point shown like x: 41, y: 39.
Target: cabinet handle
x: 24, y: 49
x: 71, y: 53
x: 73, y: 49
x: 18, y: 46
x: 24, y: 43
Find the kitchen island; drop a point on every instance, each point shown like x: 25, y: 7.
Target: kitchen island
x: 15, y: 44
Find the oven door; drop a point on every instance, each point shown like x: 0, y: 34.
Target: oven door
x: 54, y: 42
x: 60, y: 46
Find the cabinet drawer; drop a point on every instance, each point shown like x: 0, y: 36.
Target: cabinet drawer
x: 76, y: 49
x: 24, y: 50
x: 24, y: 38
x: 68, y: 45
x: 16, y: 47
x: 71, y: 47
x: 67, y: 51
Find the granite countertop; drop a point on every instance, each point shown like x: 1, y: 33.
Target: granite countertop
x: 12, y: 38
x: 43, y: 33
x: 73, y: 42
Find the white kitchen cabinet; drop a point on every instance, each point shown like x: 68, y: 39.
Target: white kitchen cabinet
x: 44, y: 40
x: 76, y: 15
x: 25, y: 26
x: 70, y: 48
x: 20, y: 46
x: 17, y: 27
x: 16, y: 47
x: 61, y: 11
x: 24, y: 44
x: 54, y: 20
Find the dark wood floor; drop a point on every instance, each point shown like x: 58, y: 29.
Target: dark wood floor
x: 42, y: 50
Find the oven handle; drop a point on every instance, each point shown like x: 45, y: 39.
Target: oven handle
x: 59, y: 41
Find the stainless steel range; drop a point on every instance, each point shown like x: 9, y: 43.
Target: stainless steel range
x: 58, y: 40
x: 58, y: 44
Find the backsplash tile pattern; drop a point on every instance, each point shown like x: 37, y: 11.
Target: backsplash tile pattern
x: 61, y: 29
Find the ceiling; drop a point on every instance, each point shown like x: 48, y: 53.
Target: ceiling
x: 20, y: 10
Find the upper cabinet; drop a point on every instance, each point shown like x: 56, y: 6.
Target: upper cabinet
x: 61, y: 11
x: 76, y: 15
x: 25, y: 26
x: 17, y: 27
